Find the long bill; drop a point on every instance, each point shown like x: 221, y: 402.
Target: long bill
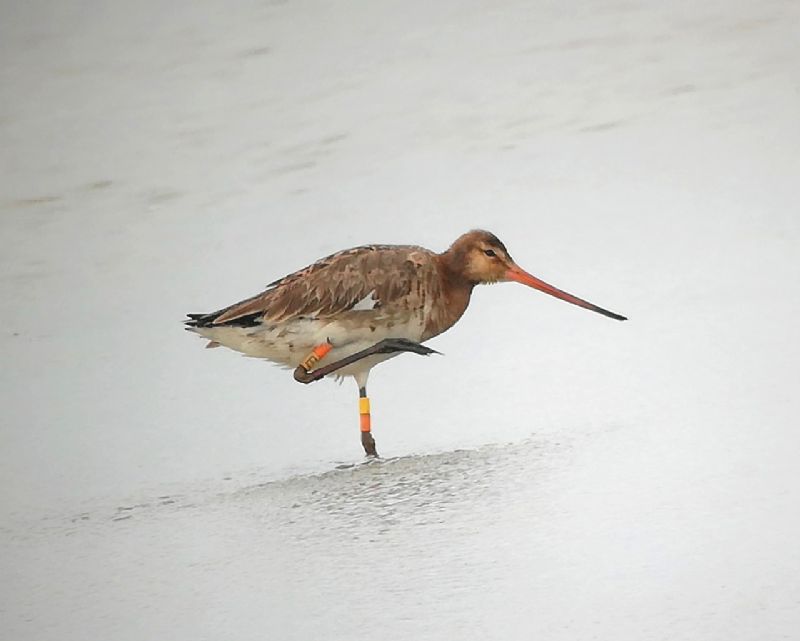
x: 521, y: 276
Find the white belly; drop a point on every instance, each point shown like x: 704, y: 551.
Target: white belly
x: 288, y: 344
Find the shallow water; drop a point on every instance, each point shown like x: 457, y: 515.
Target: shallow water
x: 560, y: 539
x: 554, y: 474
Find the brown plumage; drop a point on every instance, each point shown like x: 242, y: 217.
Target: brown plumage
x: 397, y: 277
x: 356, y: 298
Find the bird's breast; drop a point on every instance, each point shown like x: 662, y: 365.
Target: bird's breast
x: 446, y: 309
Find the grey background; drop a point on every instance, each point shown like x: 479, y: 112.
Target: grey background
x: 555, y: 475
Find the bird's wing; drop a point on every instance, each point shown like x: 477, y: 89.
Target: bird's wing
x: 369, y: 277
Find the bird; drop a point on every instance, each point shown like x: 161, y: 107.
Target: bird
x: 356, y: 308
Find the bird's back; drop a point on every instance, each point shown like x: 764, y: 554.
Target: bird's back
x: 353, y: 297
x: 390, y: 278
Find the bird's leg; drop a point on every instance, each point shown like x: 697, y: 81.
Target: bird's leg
x: 366, y: 426
x: 306, y: 374
x: 303, y: 372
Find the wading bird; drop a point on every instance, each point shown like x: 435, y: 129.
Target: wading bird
x: 356, y: 308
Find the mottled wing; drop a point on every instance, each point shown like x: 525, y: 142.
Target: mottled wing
x: 390, y: 276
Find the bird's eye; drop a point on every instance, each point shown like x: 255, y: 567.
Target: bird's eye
x: 489, y: 252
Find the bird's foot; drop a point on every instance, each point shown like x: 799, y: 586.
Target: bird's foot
x: 369, y: 444
x: 392, y: 345
x: 305, y: 372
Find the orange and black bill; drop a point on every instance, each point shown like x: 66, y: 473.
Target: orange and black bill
x: 521, y: 276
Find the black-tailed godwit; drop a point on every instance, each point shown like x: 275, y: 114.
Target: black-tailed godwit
x: 356, y: 308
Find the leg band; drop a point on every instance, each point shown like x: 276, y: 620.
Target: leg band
x: 316, y: 355
x: 363, y: 409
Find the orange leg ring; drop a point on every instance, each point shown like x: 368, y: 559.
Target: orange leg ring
x: 363, y: 410
x: 316, y: 355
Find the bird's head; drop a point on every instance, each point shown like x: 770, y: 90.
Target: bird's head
x: 480, y: 257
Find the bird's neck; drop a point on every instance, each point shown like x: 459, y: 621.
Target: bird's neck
x: 456, y: 291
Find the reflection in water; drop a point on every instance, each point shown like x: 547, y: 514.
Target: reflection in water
x: 371, y: 499
x: 389, y: 539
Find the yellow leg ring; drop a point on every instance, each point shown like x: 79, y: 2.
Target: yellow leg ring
x: 363, y: 410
